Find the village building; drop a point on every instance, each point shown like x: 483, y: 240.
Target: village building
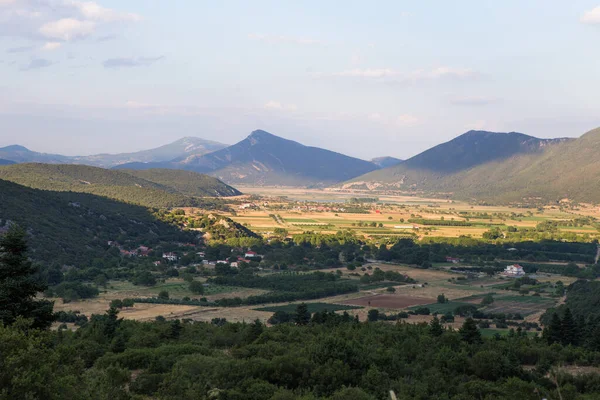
x: 514, y: 270
x: 453, y: 260
x: 143, y: 251
x: 170, y: 256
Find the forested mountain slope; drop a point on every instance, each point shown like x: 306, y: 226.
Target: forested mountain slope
x: 186, y: 182
x: 109, y: 183
x: 74, y: 228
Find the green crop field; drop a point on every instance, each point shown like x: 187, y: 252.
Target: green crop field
x: 525, y: 299
x: 442, y: 308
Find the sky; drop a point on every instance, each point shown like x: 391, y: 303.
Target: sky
x: 367, y: 79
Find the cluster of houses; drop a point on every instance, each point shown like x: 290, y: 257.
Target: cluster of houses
x: 248, y: 256
x: 319, y: 208
x: 141, y: 251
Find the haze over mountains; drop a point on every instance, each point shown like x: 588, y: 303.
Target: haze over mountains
x: 179, y: 148
x: 475, y: 165
x: 265, y: 159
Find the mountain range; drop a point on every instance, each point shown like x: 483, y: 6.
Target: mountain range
x: 180, y: 148
x: 265, y: 159
x: 384, y: 162
x: 480, y: 165
x: 260, y: 159
x: 498, y: 167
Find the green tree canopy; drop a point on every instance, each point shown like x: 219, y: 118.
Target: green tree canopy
x: 18, y: 283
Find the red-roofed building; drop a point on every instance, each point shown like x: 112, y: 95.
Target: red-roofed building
x: 514, y: 270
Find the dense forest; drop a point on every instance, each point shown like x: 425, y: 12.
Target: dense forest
x: 70, y: 228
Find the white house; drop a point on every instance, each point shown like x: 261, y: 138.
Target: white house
x: 514, y: 270
x: 170, y: 256
x: 250, y: 254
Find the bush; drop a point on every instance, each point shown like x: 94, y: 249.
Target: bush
x: 196, y: 287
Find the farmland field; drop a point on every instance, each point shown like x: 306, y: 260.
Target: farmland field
x: 393, y: 213
x: 442, y: 308
x: 312, y: 307
x: 389, y: 301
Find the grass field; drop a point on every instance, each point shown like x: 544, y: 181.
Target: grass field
x: 176, y: 287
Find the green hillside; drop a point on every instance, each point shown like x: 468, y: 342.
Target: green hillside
x: 109, y: 183
x: 74, y: 228
x: 186, y: 182
x: 549, y: 171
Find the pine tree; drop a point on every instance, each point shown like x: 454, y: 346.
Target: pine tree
x: 176, y: 329
x: 435, y: 328
x: 469, y: 332
x: 373, y: 315
x: 553, y: 332
x: 18, y: 284
x: 111, y: 322
x: 302, y: 316
x: 254, y: 331
x: 568, y: 329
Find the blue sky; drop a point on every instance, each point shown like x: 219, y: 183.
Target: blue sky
x: 362, y: 78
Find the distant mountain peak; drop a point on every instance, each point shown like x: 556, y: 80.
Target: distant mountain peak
x: 263, y: 137
x: 15, y: 147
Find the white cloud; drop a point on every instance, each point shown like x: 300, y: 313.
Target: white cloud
x: 274, y: 39
x: 375, y: 117
x: 405, y: 120
x: 51, y: 46
x: 67, y: 29
x: 62, y: 20
x: 275, y: 105
x: 390, y: 74
x: 592, y: 16
x: 93, y: 11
